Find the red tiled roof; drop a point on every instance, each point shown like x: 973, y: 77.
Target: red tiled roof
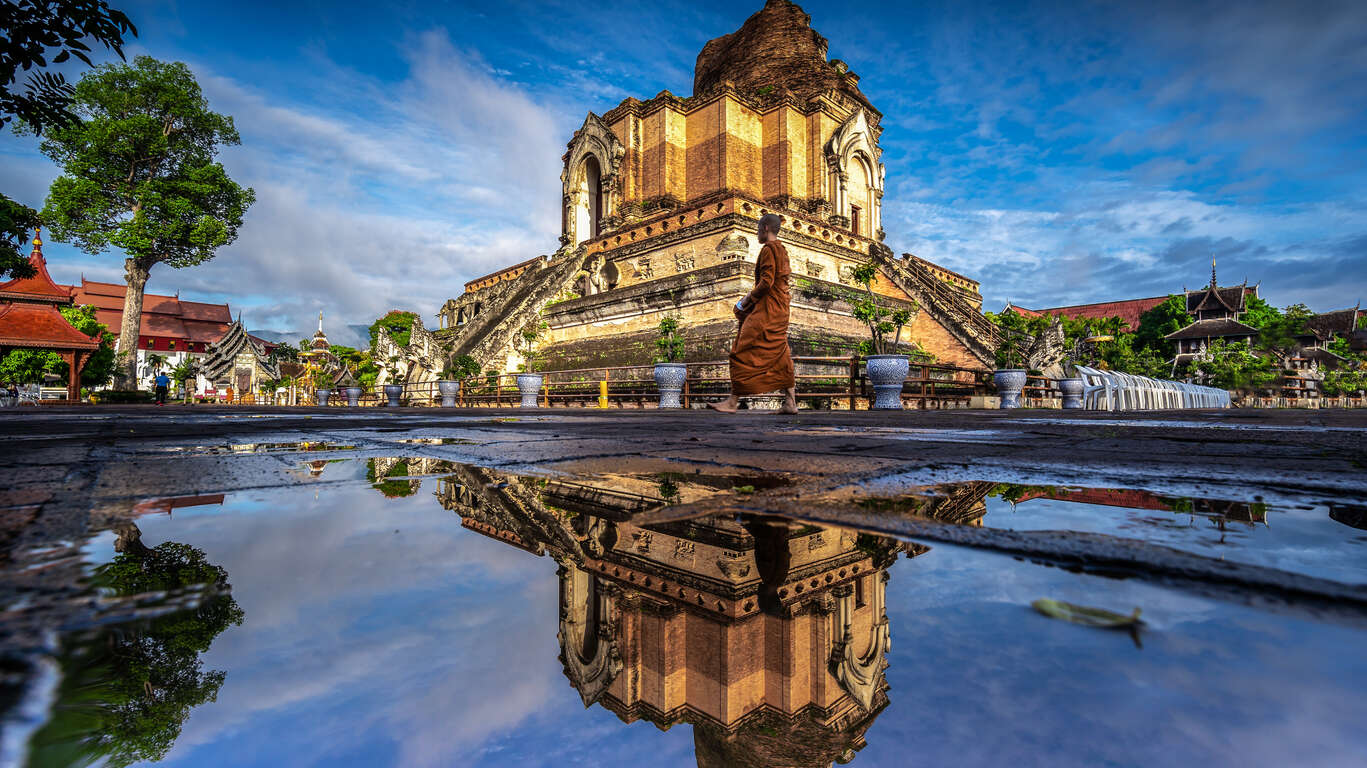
x: 163, y: 316
x: 1128, y: 310
x: 41, y: 326
x: 198, y: 310
x: 207, y: 332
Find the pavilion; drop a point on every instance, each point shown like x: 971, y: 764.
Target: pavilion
x: 30, y: 318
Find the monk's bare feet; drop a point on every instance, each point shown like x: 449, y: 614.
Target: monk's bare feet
x: 789, y: 401
x: 729, y: 405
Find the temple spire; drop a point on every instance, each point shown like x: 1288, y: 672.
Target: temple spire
x: 1212, y: 272
x: 320, y: 321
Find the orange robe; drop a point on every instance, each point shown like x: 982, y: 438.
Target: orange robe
x: 760, y: 359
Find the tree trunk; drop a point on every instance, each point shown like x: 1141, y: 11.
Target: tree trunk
x: 135, y: 277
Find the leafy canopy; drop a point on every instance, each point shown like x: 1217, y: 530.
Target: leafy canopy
x: 16, y: 221
x: 671, y: 340
x: 398, y: 323
x: 885, y: 323
x: 33, y: 29
x: 138, y: 169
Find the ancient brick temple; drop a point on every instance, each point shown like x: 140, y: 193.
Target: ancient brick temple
x: 660, y: 204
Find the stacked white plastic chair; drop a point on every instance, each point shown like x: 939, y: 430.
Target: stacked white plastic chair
x: 1112, y: 391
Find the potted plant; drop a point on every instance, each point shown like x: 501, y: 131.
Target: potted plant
x: 1010, y: 376
x: 322, y: 386
x: 887, y: 370
x: 670, y: 371
x: 528, y: 381
x: 354, y: 390
x: 458, y: 368
x: 393, y: 388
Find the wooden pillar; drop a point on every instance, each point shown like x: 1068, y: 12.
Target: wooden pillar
x: 73, y: 376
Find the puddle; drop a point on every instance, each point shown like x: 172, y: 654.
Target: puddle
x: 424, y: 612
x: 1325, y: 541
x: 238, y: 448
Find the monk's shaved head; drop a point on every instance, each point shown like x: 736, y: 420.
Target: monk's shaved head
x: 770, y: 222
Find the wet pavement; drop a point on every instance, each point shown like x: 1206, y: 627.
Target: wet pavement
x: 324, y: 587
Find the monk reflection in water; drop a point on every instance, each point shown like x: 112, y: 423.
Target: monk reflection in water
x: 760, y: 360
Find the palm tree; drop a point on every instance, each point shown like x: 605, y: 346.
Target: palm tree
x: 186, y: 370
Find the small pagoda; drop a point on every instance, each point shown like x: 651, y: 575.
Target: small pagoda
x: 1218, y: 312
x: 30, y: 318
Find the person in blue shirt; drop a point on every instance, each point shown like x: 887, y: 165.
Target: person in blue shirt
x: 161, y: 383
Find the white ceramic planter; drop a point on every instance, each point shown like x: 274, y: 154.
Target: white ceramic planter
x: 393, y: 392
x: 1072, y: 392
x: 669, y: 377
x: 887, y: 374
x: 1010, y: 383
x: 529, y: 384
x: 353, y: 396
x: 449, y: 390
x: 320, y: 396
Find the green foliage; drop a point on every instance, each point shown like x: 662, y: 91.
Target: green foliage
x: 184, y: 372
x: 671, y: 341
x: 16, y: 221
x: 526, y: 344
x: 1259, y: 314
x: 391, y: 488
x: 125, y: 696
x: 398, y: 323
x: 1233, y: 366
x: 884, y: 323
x: 138, y: 172
x: 1278, y: 331
x: 1348, y: 379
x: 1017, y: 331
x: 283, y: 353
x: 51, y: 31
x: 1165, y: 319
x: 30, y: 366
x: 461, y: 367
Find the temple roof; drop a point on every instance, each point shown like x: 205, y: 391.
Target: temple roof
x: 776, y: 49
x: 40, y: 287
x: 1129, y: 310
x: 1326, y: 325
x: 162, y: 316
x: 41, y: 326
x: 1213, y: 329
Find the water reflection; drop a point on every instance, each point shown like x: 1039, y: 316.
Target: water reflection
x: 769, y: 637
x: 126, y: 691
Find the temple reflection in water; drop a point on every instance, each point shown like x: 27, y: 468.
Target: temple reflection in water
x: 768, y: 637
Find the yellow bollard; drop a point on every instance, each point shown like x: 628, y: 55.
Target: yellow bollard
x: 603, y: 393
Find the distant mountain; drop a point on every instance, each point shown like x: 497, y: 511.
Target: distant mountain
x: 276, y: 337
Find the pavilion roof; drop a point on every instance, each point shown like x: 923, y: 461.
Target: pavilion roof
x: 1213, y: 329
x: 40, y: 287
x: 41, y: 326
x: 1327, y: 325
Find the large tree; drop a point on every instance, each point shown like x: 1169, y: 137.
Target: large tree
x: 39, y: 33
x: 139, y: 174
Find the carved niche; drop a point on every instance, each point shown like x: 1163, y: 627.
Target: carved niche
x: 683, y: 261
x: 642, y: 269
x: 732, y: 247
x: 593, y: 139
x: 813, y: 269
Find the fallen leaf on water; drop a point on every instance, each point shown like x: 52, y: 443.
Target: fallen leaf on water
x: 1088, y: 617
x: 744, y: 489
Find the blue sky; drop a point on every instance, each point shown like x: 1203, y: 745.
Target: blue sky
x: 1059, y: 153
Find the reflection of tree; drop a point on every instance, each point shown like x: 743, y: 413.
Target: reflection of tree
x: 128, y: 689
x: 392, y: 489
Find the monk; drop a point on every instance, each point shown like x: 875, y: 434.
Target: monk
x: 760, y: 359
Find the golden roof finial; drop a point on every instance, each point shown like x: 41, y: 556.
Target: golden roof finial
x: 38, y: 237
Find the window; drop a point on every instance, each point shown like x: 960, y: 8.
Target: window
x: 854, y: 219
x: 859, y: 593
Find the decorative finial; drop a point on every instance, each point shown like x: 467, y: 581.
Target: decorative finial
x: 1212, y: 272
x: 320, y: 321
x: 38, y: 238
